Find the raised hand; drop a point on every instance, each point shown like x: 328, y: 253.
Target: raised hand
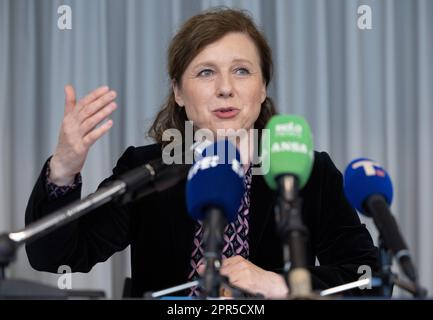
x: 80, y: 130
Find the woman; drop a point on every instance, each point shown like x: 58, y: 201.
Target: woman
x: 220, y: 66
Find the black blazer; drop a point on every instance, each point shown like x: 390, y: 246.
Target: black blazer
x: 160, y: 231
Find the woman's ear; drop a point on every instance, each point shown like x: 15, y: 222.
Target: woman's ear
x: 264, y: 94
x: 177, y: 94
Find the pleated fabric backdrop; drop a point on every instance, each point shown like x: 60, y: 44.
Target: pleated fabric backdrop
x: 364, y: 92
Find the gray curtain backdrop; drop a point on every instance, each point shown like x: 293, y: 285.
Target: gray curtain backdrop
x: 364, y: 92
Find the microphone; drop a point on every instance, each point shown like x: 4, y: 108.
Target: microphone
x: 157, y: 176
x: 368, y: 188
x: 154, y: 176
x: 287, y: 152
x: 214, y: 190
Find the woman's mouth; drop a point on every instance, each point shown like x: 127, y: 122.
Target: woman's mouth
x: 226, y: 113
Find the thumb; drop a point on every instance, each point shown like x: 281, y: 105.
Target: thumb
x: 69, y: 98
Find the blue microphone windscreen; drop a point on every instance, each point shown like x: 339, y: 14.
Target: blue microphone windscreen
x: 363, y: 178
x: 216, y: 180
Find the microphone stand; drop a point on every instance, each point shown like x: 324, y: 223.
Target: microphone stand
x: 211, y: 281
x: 388, y: 279
x: 23, y: 289
x: 213, y: 239
x: 154, y: 176
x: 386, y: 274
x: 293, y: 233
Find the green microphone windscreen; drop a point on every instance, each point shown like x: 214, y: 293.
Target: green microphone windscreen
x: 287, y: 148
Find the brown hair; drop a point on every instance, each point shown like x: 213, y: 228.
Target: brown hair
x: 195, y: 34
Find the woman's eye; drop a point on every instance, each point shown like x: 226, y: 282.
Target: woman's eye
x: 242, y: 71
x: 205, y: 73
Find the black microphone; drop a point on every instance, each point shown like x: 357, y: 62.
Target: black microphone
x: 154, y: 176
x: 375, y: 206
x: 368, y: 188
x: 157, y: 175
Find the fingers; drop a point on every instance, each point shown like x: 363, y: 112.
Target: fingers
x: 237, y: 279
x: 88, y: 113
x: 92, y: 96
x: 94, y: 135
x: 69, y: 98
x: 92, y: 108
x: 232, y: 260
x: 238, y: 267
x: 90, y: 123
x: 75, y: 138
x: 238, y: 276
x: 232, y: 264
x: 234, y: 268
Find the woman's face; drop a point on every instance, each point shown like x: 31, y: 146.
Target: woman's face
x: 223, y: 87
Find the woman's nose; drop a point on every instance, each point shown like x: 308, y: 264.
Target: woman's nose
x: 224, y: 87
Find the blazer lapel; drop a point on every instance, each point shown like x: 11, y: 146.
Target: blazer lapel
x: 182, y: 228
x: 261, y: 210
